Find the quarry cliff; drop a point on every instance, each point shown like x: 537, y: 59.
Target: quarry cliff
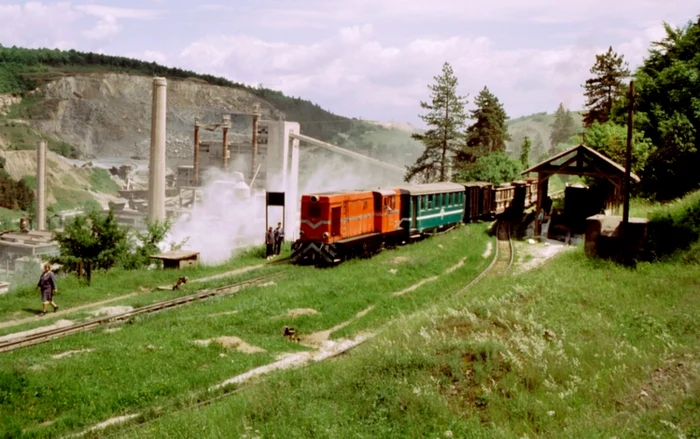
x: 108, y: 114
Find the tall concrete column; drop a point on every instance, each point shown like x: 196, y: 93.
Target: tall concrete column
x: 41, y: 186
x: 156, y: 175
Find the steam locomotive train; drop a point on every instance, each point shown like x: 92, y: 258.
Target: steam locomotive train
x: 339, y: 225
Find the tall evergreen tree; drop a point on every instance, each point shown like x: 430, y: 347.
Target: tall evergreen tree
x: 525, y: 153
x: 446, y: 118
x: 563, y: 127
x: 489, y: 133
x: 606, y: 87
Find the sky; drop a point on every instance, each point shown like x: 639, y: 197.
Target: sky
x: 370, y: 59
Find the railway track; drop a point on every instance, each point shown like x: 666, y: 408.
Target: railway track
x: 503, y: 259
x: 504, y: 250
x: 43, y: 337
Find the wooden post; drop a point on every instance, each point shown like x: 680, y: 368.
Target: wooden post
x: 628, y: 158
x: 254, y: 157
x: 196, y: 152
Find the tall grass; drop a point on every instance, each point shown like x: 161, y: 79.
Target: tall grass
x: 583, y: 348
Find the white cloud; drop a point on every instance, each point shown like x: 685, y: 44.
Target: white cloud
x: 62, y: 24
x: 105, y: 28
x: 36, y: 24
x: 108, y: 11
x: 352, y: 73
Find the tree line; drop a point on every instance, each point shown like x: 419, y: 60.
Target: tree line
x: 666, y: 128
x: 20, y: 72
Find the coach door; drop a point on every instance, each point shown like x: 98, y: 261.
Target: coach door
x: 335, y: 221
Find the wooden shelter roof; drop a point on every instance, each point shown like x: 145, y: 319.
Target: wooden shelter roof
x: 581, y: 160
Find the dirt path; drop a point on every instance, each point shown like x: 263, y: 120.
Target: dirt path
x: 534, y: 254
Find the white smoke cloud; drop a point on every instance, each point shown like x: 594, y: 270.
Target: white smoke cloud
x: 226, y: 219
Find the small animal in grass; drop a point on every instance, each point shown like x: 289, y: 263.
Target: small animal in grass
x: 180, y: 281
x: 290, y: 333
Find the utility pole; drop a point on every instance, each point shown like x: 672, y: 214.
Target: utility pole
x: 628, y: 158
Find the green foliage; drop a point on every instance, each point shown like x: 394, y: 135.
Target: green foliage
x: 14, y: 195
x: 525, y: 153
x: 445, y: 118
x: 668, y: 109
x: 496, y: 168
x: 606, y: 87
x: 100, y: 181
x: 488, y: 134
x: 92, y: 241
x: 674, y: 228
x: 563, y: 127
x: 611, y: 140
x: 146, y: 244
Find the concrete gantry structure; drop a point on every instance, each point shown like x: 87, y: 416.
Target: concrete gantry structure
x: 41, y: 186
x: 156, y: 175
x: 283, y: 171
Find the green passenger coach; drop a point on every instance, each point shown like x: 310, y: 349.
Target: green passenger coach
x: 430, y: 207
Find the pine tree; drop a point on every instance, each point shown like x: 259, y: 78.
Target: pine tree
x: 525, y: 153
x: 446, y: 118
x: 489, y: 133
x: 563, y: 127
x: 606, y: 87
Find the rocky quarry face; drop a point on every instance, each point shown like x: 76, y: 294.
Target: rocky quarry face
x: 109, y: 115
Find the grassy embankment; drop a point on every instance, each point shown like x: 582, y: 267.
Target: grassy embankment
x: 153, y: 362
x: 581, y: 348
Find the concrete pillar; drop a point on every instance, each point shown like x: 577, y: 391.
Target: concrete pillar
x: 41, y: 186
x: 294, y: 204
x: 156, y: 175
x: 226, y: 121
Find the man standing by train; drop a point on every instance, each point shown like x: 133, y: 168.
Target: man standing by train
x: 279, y: 238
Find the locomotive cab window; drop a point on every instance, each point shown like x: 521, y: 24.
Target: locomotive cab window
x: 315, y: 211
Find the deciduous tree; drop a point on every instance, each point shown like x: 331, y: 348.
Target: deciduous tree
x: 668, y: 112
x: 496, y: 168
x: 606, y: 87
x: 92, y: 241
x: 445, y: 118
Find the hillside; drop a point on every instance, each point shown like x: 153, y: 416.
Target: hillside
x: 100, y: 104
x: 538, y: 127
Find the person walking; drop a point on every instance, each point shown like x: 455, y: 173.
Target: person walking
x: 279, y: 238
x: 47, y: 285
x: 269, y: 242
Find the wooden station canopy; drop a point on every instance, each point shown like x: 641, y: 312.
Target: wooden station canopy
x: 582, y: 161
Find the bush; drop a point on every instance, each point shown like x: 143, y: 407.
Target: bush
x: 674, y: 228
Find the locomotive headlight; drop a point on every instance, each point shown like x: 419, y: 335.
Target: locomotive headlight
x: 325, y: 235
x: 314, y: 199
x: 301, y: 233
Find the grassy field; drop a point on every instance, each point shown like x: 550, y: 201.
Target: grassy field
x: 153, y: 364
x: 24, y: 300
x: 582, y: 348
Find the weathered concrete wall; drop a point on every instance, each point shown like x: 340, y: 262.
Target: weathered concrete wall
x: 603, y: 238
